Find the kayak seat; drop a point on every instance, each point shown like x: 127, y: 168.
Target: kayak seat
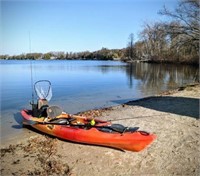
x: 40, y: 109
x: 42, y: 103
x: 43, y: 111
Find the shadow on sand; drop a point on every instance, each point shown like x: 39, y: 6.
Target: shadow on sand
x: 18, y: 118
x: 177, y: 105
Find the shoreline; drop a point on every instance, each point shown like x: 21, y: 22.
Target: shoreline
x: 92, y: 113
x: 150, y: 61
x: 172, y: 115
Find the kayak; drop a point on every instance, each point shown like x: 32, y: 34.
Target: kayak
x: 53, y: 121
x: 90, y: 131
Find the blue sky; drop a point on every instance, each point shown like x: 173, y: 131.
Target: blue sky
x: 74, y: 25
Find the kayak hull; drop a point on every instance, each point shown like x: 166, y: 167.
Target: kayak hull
x: 131, y: 141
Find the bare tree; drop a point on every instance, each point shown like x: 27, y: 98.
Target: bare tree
x: 184, y: 29
x: 155, y: 40
x: 130, y: 52
x: 176, y: 40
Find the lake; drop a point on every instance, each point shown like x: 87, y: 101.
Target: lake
x: 82, y: 85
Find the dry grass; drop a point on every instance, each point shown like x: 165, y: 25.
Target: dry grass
x: 42, y: 151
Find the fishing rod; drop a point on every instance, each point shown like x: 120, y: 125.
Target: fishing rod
x: 113, y: 120
x: 131, y: 118
x: 32, y: 88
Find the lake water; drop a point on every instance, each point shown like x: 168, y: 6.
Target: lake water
x: 83, y: 85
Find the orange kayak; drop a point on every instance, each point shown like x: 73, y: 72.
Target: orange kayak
x: 80, y: 129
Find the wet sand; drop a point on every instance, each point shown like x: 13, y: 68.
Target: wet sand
x: 173, y: 116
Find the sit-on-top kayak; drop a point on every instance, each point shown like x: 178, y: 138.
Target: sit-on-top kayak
x: 90, y: 131
x: 53, y: 121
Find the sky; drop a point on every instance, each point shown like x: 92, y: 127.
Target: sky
x: 73, y: 25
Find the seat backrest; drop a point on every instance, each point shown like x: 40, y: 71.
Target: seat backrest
x: 42, y: 102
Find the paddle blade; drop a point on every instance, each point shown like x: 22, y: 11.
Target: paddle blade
x: 29, y: 122
x: 43, y: 89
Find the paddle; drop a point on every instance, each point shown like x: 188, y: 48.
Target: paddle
x: 114, y: 127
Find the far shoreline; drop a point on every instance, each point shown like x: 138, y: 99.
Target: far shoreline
x: 149, y: 61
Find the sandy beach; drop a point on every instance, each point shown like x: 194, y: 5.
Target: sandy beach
x: 173, y: 116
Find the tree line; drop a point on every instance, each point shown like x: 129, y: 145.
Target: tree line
x: 175, y: 41
x: 103, y: 54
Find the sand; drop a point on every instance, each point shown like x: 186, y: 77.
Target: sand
x: 173, y: 116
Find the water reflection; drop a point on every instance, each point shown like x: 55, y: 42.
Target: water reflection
x: 107, y: 81
x: 159, y: 77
